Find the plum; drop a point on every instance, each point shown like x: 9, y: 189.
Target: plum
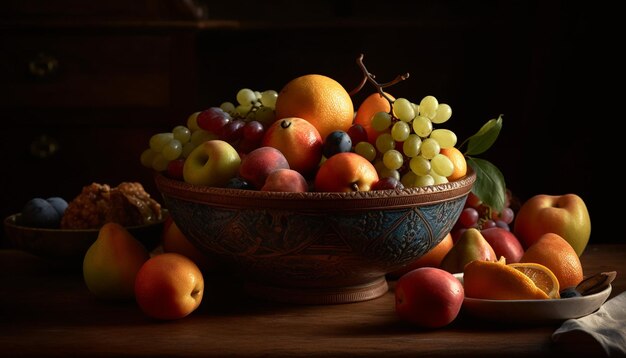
x: 40, y: 213
x: 336, y: 142
x: 58, y: 203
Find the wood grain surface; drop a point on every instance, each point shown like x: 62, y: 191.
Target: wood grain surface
x: 46, y: 310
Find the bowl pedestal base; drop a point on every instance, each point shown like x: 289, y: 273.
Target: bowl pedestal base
x: 319, y: 296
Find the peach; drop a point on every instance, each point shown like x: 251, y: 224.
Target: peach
x: 287, y: 180
x: 259, y: 163
x: 169, y: 286
x: 298, y: 140
x: 345, y: 172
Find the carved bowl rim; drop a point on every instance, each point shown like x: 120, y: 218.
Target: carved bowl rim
x: 315, y: 201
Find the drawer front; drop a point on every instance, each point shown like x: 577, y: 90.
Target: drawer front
x: 79, y: 71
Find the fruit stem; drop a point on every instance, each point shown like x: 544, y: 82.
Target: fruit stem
x: 355, y: 187
x: 285, y: 124
x: 369, y: 77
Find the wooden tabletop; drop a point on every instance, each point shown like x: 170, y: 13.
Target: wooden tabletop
x: 46, y: 310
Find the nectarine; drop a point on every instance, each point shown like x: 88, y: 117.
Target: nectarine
x: 169, y: 286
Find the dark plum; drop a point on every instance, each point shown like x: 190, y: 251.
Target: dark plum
x: 570, y: 292
x: 39, y: 213
x: 58, y: 203
x: 239, y: 183
x: 336, y: 142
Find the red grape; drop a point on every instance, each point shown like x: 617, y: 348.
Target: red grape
x: 213, y: 119
x: 357, y: 133
x: 253, y: 131
x: 473, y: 201
x: 233, y: 130
x: 468, y: 218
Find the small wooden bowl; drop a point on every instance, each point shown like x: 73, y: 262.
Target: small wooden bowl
x: 70, y: 245
x: 314, y: 247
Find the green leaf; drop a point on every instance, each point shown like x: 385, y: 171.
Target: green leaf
x: 485, y: 137
x: 489, y: 185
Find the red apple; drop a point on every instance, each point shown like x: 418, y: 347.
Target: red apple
x: 298, y: 140
x: 285, y: 180
x: 565, y: 215
x: 428, y: 297
x: 259, y: 163
x: 345, y: 172
x: 504, y: 243
x: 212, y: 163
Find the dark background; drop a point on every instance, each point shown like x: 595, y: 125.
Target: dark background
x: 519, y: 59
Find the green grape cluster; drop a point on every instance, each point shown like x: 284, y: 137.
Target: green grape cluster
x: 408, y: 146
x: 252, y: 109
x: 253, y: 106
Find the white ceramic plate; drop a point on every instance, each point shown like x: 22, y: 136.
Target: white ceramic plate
x: 533, y: 311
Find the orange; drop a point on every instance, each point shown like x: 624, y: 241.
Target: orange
x: 542, y: 276
x: 458, y: 161
x: 498, y: 281
x: 554, y: 252
x: 373, y: 104
x: 320, y: 100
x: 430, y: 259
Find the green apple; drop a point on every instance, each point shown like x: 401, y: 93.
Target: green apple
x: 111, y: 263
x: 212, y: 163
x: 565, y: 215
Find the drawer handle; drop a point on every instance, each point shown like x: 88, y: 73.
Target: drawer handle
x: 44, y: 147
x: 43, y: 65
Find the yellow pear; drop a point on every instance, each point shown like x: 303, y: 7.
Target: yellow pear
x: 111, y: 263
x: 471, y: 246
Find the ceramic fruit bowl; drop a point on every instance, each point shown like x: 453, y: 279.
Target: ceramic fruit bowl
x: 314, y: 247
x: 70, y: 245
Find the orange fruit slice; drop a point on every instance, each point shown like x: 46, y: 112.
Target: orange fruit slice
x: 499, y: 281
x: 542, y: 276
x: 319, y: 99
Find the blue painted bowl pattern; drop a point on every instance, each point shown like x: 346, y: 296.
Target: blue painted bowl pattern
x: 303, y: 248
x: 314, y: 239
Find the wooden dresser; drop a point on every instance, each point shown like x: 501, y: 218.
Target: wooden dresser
x: 83, y: 85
